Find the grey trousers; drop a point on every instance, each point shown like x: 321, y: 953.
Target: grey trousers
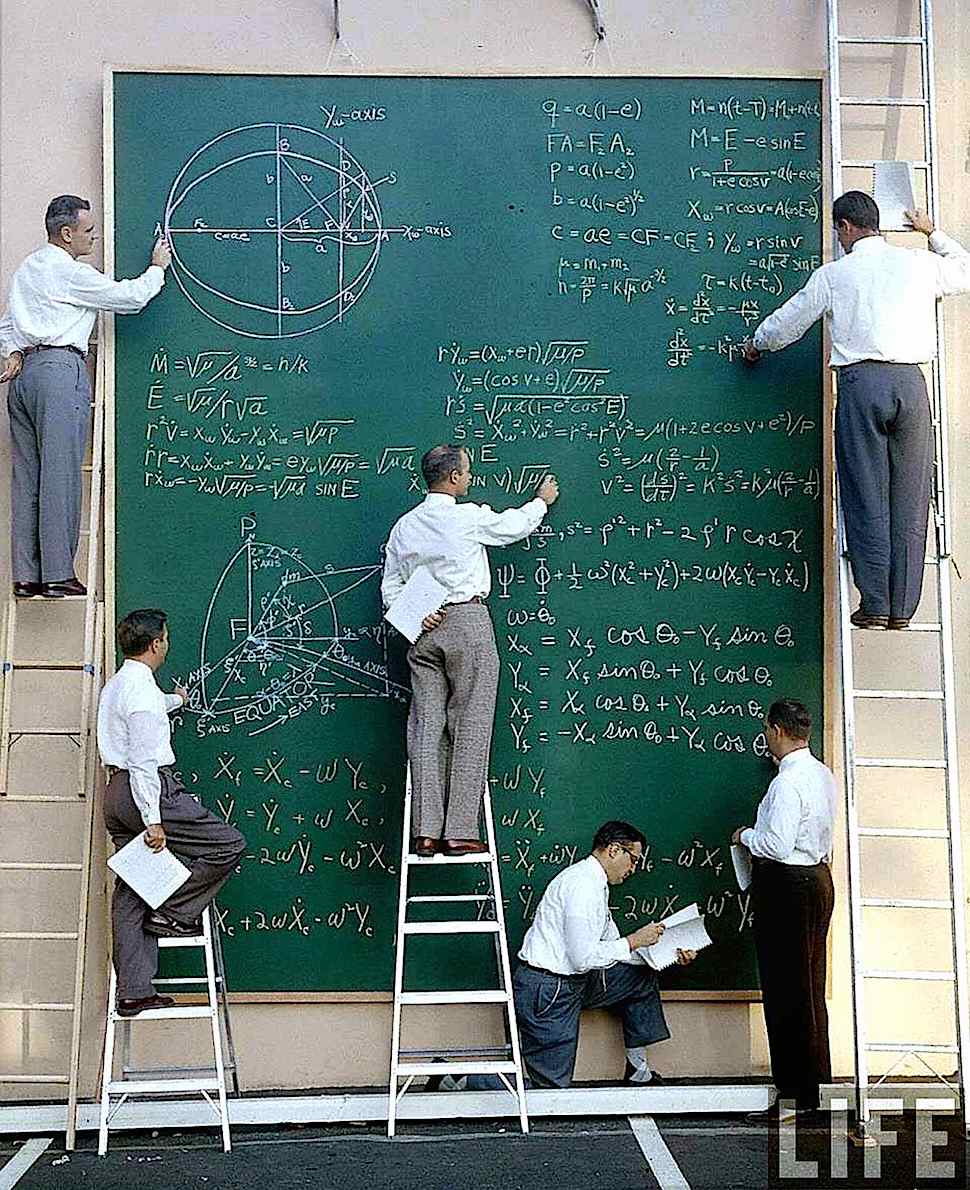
x: 49, y: 405
x: 454, y: 683
x: 204, y: 843
x: 548, y: 1007
x: 884, y: 455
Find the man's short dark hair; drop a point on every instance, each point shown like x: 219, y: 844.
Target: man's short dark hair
x: 62, y: 212
x: 440, y: 461
x: 615, y: 831
x: 792, y: 717
x: 856, y: 208
x: 138, y: 629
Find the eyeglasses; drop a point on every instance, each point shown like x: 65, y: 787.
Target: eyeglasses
x: 632, y: 854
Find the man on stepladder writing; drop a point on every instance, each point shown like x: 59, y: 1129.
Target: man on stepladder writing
x: 454, y: 663
x: 44, y: 333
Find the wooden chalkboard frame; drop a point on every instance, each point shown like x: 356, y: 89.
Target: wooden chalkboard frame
x: 828, y: 572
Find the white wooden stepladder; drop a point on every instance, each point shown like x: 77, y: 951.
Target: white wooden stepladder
x: 503, y: 1061
x: 75, y: 810
x: 926, y: 842
x: 205, y: 1081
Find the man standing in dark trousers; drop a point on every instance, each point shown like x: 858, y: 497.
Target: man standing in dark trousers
x: 143, y: 794
x: 792, y: 897
x: 454, y: 663
x: 880, y: 301
x: 54, y: 300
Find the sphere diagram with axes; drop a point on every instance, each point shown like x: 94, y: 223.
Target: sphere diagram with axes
x: 276, y: 230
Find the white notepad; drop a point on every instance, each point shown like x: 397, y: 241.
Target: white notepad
x: 154, y: 875
x: 421, y: 595
x: 741, y: 859
x: 683, y: 930
x: 895, y: 187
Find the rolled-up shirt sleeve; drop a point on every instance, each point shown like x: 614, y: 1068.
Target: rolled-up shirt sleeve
x: 504, y: 528
x: 775, y: 830
x: 143, y: 765
x: 92, y: 290
x: 585, y: 949
x: 952, y: 265
x: 790, y: 321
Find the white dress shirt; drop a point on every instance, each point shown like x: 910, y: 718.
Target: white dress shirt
x: 794, y: 822
x: 54, y: 299
x: 450, y: 539
x: 880, y: 300
x: 573, y: 930
x: 134, y: 732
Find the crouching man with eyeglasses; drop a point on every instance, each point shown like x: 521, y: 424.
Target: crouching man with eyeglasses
x: 574, y: 957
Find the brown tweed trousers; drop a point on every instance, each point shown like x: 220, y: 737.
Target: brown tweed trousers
x: 454, y: 683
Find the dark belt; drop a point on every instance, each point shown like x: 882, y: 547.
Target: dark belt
x: 25, y: 351
x: 551, y: 974
x: 462, y: 602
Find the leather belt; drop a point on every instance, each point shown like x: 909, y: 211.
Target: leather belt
x: 25, y: 351
x: 551, y: 974
x: 462, y: 602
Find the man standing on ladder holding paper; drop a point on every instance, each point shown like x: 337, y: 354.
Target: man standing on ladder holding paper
x: 881, y: 303
x: 454, y: 663
x: 143, y: 794
x: 44, y: 334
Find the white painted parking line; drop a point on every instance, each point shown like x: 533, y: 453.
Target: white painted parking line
x: 22, y: 1160
x: 660, y: 1159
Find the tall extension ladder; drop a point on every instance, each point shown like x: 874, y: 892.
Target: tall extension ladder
x: 16, y: 808
x: 938, y: 564
x: 503, y: 1061
x: 205, y: 1081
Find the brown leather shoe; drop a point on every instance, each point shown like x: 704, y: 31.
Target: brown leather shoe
x: 425, y: 846
x: 463, y: 847
x: 862, y: 619
x: 134, y: 1007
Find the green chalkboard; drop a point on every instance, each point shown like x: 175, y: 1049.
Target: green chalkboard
x: 557, y: 273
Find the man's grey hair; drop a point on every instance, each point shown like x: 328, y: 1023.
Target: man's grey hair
x: 62, y: 212
x: 440, y: 461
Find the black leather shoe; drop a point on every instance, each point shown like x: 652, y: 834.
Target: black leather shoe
x: 656, y: 1079
x: 167, y: 927
x: 134, y: 1007
x: 70, y: 586
x: 897, y: 624
x: 27, y: 590
x: 862, y: 619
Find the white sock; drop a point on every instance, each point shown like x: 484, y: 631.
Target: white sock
x: 637, y: 1057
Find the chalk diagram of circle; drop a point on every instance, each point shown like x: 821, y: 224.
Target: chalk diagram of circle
x: 275, y: 230
x: 274, y: 642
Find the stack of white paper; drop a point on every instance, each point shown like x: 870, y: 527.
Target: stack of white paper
x: 154, y: 875
x: 421, y: 595
x: 895, y: 185
x: 683, y: 930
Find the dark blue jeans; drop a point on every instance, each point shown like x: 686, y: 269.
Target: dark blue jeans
x: 548, y: 1008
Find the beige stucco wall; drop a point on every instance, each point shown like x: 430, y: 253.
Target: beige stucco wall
x: 51, y: 61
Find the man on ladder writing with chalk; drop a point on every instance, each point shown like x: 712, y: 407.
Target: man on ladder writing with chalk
x: 454, y: 663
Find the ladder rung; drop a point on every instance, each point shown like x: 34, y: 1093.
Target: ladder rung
x: 906, y: 903
x: 492, y: 996
x: 161, y: 1086
x: 184, y: 981
x: 897, y: 762
x: 403, y: 1069
x: 856, y: 163
x: 65, y: 731
x: 32, y: 866
x: 928, y: 976
x: 881, y: 41
x: 12, y: 1006
x: 170, y: 1014
x: 450, y: 898
x: 922, y: 695
x: 880, y: 101
x: 478, y: 1052
x: 451, y: 927
x: 34, y: 1078
x: 910, y: 1047
x: 36, y: 935
x: 58, y: 665
x: 192, y: 940
x: 132, y: 1072
x: 903, y: 832
x: 484, y: 857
